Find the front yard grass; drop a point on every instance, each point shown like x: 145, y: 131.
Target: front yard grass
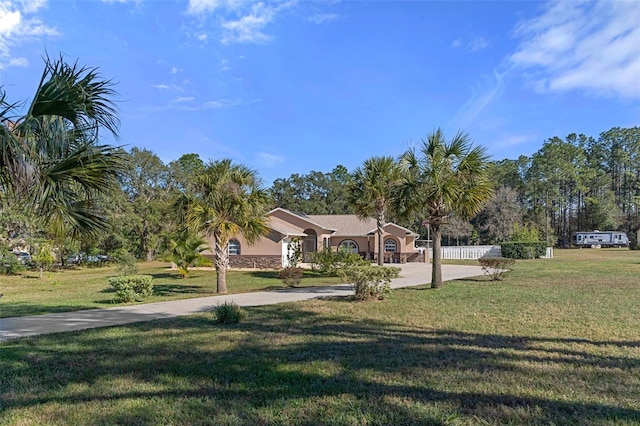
x: 558, y: 342
x: 87, y: 288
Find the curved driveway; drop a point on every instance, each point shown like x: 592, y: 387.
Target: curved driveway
x: 412, y: 274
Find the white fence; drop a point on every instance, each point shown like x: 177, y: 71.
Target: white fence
x: 476, y: 252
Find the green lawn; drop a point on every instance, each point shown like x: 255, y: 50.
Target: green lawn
x: 558, y: 342
x: 88, y: 288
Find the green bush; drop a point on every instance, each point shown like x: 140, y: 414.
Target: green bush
x: 369, y: 281
x: 291, y: 276
x: 10, y: 264
x: 524, y: 249
x: 328, y: 262
x: 127, y: 263
x: 132, y: 287
x: 229, y: 313
x: 496, y: 267
x: 525, y: 233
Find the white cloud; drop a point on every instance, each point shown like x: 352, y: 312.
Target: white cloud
x: 191, y: 103
x: 18, y: 62
x: 121, y: 1
x: 269, y: 160
x: 480, y: 99
x: 322, y: 18
x: 175, y: 70
x: 593, y: 46
x: 160, y: 86
x: 249, y: 28
x: 236, y: 21
x: 456, y: 43
x: 31, y: 6
x: 17, y: 26
x: 478, y: 43
x: 197, y: 7
x: 182, y: 99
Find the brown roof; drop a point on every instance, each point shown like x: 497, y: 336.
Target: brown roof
x: 345, y: 224
x: 284, y: 227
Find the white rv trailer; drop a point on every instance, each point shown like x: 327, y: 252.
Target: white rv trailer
x: 600, y: 238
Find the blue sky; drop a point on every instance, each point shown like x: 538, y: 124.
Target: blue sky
x: 294, y: 86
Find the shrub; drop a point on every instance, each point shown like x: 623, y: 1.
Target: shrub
x: 525, y: 233
x: 45, y: 256
x: 291, y: 276
x: 132, y: 287
x: 369, y: 281
x: 294, y: 252
x: 10, y: 264
x: 186, y: 253
x: 523, y: 249
x: 328, y: 262
x: 229, y: 313
x: 127, y: 263
x: 324, y: 261
x: 496, y: 267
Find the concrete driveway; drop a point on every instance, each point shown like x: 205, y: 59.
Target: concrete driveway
x: 412, y: 274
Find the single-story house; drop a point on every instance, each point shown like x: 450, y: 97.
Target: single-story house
x: 316, y: 232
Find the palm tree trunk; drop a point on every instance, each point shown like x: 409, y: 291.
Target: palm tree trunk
x: 380, y: 223
x: 436, y: 266
x: 221, y: 261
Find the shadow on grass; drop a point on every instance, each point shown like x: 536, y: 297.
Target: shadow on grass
x: 167, y: 275
x: 265, y: 274
x: 170, y: 289
x: 20, y: 309
x: 288, y: 365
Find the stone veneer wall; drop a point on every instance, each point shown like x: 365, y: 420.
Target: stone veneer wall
x: 252, y: 261
x: 400, y: 257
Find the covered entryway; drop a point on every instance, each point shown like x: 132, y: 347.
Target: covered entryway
x: 309, y: 244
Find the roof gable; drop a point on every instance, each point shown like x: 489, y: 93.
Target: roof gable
x: 284, y: 214
x: 346, y: 224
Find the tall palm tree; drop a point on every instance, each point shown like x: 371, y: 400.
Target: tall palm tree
x: 371, y: 192
x: 227, y: 201
x: 444, y: 179
x: 50, y: 158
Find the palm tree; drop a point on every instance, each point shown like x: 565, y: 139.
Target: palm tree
x: 227, y: 201
x: 186, y: 253
x: 441, y: 180
x: 371, y: 192
x: 50, y: 158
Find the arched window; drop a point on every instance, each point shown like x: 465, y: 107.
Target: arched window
x: 390, y: 246
x: 234, y: 247
x: 349, y: 246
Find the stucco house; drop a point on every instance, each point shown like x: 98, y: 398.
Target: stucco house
x: 316, y: 232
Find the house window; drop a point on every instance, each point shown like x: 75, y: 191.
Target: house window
x: 234, y: 247
x: 349, y: 246
x: 390, y: 246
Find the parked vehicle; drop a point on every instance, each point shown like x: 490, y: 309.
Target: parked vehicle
x: 600, y: 239
x: 83, y: 258
x: 23, y: 257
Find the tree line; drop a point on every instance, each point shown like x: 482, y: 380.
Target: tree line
x: 60, y: 185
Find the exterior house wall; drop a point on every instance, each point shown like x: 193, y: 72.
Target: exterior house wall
x: 368, y: 246
x: 365, y: 244
x: 270, y: 251
x: 265, y: 253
